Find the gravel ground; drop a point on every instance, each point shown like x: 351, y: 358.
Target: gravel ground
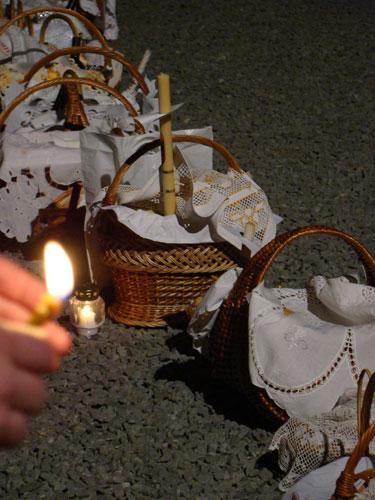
x: 289, y: 89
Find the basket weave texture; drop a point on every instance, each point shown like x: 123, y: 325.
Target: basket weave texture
x: 345, y: 485
x: 152, y: 280
x: 229, y: 339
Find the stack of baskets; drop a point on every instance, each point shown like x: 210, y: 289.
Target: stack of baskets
x: 74, y: 118
x: 74, y: 114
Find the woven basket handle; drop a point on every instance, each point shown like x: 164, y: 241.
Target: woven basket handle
x: 89, y: 25
x: 110, y: 54
x: 111, y: 195
x: 52, y: 17
x: 345, y: 485
x: 257, y: 267
x: 71, y: 80
x: 364, y: 405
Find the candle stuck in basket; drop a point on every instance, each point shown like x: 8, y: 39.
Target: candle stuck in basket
x: 59, y: 281
x: 168, y: 194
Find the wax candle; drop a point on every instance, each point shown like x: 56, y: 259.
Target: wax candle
x: 168, y: 194
x: 86, y: 317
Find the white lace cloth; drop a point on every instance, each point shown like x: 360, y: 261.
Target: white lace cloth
x: 30, y: 154
x: 305, y: 444
x: 307, y: 346
x: 33, y: 164
x: 211, y: 206
x: 320, y: 484
x: 107, y: 16
x: 205, y: 313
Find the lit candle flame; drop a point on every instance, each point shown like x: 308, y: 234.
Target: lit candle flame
x: 58, y: 271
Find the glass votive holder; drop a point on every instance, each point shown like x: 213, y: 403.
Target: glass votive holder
x: 87, y: 310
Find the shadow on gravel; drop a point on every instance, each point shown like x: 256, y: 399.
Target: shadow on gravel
x: 196, y: 374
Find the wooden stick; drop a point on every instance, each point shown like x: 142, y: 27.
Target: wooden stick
x: 168, y: 194
x: 141, y: 68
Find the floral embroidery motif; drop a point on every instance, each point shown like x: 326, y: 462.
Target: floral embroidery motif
x: 347, y: 351
x: 295, y: 336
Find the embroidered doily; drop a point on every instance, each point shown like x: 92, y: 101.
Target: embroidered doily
x: 308, y: 346
x: 306, y: 444
x: 36, y: 167
x: 211, y: 206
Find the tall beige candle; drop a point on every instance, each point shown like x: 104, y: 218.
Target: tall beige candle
x: 168, y: 193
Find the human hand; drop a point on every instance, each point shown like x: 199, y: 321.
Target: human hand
x: 20, y: 292
x: 23, y: 361
x: 24, y: 358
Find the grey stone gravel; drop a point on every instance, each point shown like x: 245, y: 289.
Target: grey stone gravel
x: 289, y: 89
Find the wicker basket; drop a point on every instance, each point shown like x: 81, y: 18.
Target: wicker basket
x: 74, y: 104
x: 60, y: 11
x: 229, y: 340
x: 112, y: 76
x: 156, y: 282
x: 47, y: 22
x: 108, y: 54
x: 345, y: 485
x: 75, y: 118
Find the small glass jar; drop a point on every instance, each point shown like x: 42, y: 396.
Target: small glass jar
x: 87, y: 310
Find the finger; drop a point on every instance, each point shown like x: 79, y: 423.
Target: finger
x: 29, y: 393
x: 58, y: 337
x: 13, y: 310
x: 28, y: 352
x: 13, y: 426
x: 20, y: 389
x: 19, y: 285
